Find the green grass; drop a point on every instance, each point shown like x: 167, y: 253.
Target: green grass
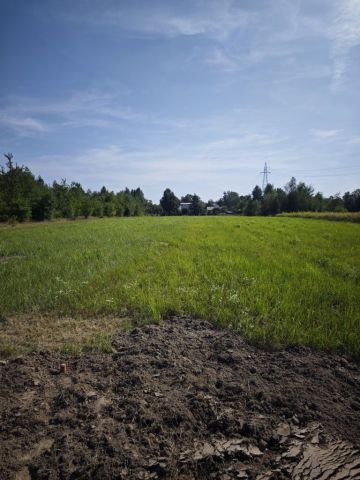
x: 337, y: 216
x: 278, y: 280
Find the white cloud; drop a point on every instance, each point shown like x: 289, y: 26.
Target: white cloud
x: 325, y: 134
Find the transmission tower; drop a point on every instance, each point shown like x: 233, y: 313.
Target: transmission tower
x: 265, y: 173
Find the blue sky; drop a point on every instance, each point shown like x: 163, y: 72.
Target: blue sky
x: 194, y: 95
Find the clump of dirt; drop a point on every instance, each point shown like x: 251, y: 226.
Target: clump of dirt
x: 182, y: 400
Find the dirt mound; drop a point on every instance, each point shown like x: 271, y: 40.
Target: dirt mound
x: 183, y: 400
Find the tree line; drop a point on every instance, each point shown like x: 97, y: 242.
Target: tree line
x: 294, y: 197
x: 24, y: 197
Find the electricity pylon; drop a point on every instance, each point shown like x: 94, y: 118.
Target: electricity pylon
x: 265, y: 173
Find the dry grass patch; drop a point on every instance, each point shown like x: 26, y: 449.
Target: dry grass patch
x: 20, y: 334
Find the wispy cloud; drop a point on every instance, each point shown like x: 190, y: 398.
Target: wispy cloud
x: 23, y: 125
x: 345, y: 34
x: 210, y: 18
x: 220, y: 59
x: 218, y: 162
x: 354, y: 141
x: 232, y: 59
x: 325, y: 134
x: 80, y: 109
x: 285, y: 41
x: 273, y: 30
x: 84, y: 102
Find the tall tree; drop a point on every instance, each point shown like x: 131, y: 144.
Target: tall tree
x: 352, y: 201
x: 230, y: 200
x: 257, y: 193
x: 169, y: 203
x: 198, y: 206
x: 18, y: 190
x: 188, y: 198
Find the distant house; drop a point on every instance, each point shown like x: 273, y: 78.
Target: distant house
x: 214, y: 209
x: 186, y: 208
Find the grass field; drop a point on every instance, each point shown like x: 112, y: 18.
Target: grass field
x: 278, y: 280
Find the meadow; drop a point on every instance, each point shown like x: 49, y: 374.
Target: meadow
x: 279, y: 281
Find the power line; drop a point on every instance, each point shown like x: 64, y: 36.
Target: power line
x: 320, y: 169
x: 328, y: 175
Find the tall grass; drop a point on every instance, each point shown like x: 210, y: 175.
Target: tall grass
x: 278, y: 280
x: 337, y: 216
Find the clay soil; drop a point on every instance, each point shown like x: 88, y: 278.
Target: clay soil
x: 181, y: 400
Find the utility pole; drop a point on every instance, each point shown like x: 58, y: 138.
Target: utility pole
x: 265, y: 173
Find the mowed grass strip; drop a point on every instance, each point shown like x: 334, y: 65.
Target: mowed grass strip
x: 280, y: 281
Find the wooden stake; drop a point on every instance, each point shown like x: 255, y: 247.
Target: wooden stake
x: 63, y: 368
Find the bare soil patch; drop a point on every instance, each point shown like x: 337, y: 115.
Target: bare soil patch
x: 183, y: 400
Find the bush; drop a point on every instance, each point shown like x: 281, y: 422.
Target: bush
x: 43, y: 208
x: 108, y: 210
x: 21, y: 212
x: 98, y: 210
